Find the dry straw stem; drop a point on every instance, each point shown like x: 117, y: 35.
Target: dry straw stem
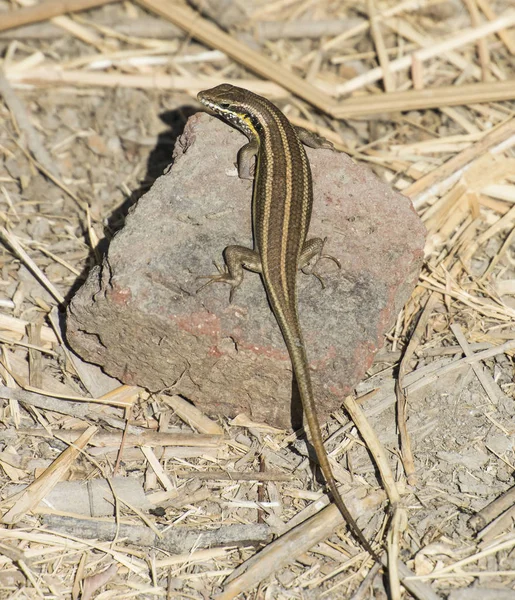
x: 191, y: 557
x: 68, y: 542
x: 233, y: 476
x: 384, y: 15
x: 11, y: 240
x: 504, y: 36
x: 198, y: 27
x: 503, y: 223
x: 155, y: 465
x: 78, y: 410
x: 398, y: 525
x: 46, y: 10
x: 18, y: 327
x: 32, y: 137
x: 468, y: 360
x: 154, y: 81
x: 294, y: 543
x: 482, y: 48
x: 428, y: 98
x: 142, y: 438
x: 119, y: 400
x: 500, y: 191
x: 377, y: 36
x: 350, y: 108
x: 408, y: 460
x: 280, y: 30
x: 457, y: 566
x: 191, y: 415
x: 452, y: 169
x: 485, y: 378
x: 381, y: 460
x: 451, y: 289
x: 495, y: 517
x: 502, y: 523
x: 39, y: 488
x: 38, y: 347
x: 456, y: 41
x: 508, y: 243
x: 375, y: 447
x: 82, y: 33
x: 124, y: 396
x: 281, y: 552
x: 426, y: 375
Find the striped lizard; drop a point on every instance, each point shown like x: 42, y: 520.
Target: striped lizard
x: 281, y: 211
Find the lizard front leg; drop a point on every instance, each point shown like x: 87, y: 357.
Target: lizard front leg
x: 312, y: 139
x: 247, y: 166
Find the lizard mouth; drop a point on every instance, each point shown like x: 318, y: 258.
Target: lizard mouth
x: 206, y: 101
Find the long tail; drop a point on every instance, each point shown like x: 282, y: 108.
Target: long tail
x: 292, y: 334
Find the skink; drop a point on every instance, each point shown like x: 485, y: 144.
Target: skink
x: 281, y: 211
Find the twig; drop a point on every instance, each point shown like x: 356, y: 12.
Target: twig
x: 295, y: 542
x: 142, y: 438
x: 486, y: 381
x: 504, y: 35
x: 453, y: 167
x: 274, y: 30
x: 456, y: 95
x: 198, y: 27
x: 482, y: 48
x: 456, y: 41
x: 349, y: 108
x: 406, y: 452
x: 12, y: 241
x: 31, y: 135
x: 36, y: 491
x: 377, y: 36
x: 46, y: 10
x: 176, y: 540
x: 495, y: 517
x: 233, y: 476
x: 375, y: 447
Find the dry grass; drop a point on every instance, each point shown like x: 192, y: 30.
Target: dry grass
x: 428, y: 89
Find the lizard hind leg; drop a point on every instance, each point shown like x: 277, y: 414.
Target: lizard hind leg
x: 313, y: 249
x: 236, y: 258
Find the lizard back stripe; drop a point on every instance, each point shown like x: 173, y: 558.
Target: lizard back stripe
x: 282, y: 203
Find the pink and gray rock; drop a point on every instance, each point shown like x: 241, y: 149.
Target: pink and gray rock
x: 140, y: 317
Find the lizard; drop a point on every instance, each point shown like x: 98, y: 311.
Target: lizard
x: 281, y: 213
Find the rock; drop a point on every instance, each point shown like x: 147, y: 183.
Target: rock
x: 140, y: 317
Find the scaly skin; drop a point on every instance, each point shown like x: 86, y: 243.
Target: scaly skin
x: 282, y: 204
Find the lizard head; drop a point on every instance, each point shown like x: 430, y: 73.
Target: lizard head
x: 234, y: 104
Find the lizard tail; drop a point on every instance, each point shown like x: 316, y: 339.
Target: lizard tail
x: 290, y: 328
